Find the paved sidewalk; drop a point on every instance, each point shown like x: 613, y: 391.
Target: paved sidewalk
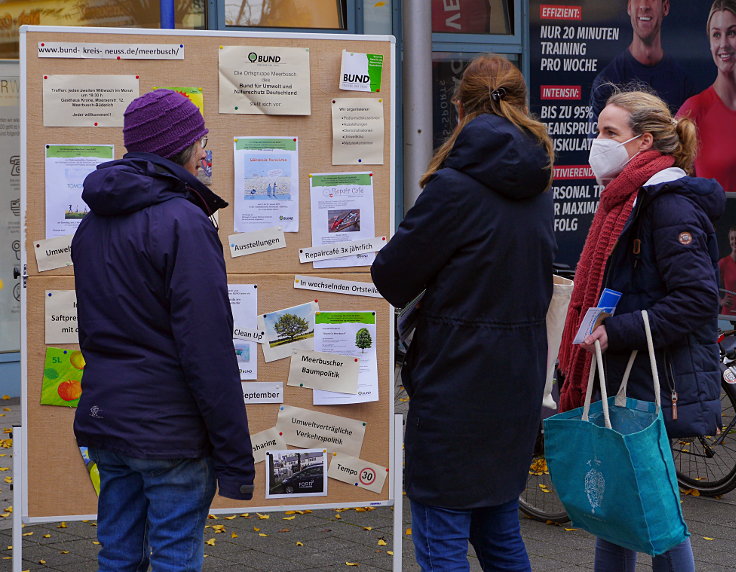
x: 348, y: 538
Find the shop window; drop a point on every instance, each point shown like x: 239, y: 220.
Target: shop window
x: 473, y: 16
x: 190, y: 14
x: 447, y: 70
x: 322, y: 14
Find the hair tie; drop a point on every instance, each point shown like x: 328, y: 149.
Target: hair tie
x: 674, y: 121
x: 498, y: 94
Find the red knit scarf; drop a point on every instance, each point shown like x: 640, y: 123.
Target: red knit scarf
x: 614, y: 209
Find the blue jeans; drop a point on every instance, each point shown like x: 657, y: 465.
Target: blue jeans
x: 441, y: 537
x: 612, y: 558
x: 152, y: 511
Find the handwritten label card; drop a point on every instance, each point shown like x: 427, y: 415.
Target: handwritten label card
x: 305, y: 428
x: 319, y: 370
x: 357, y: 472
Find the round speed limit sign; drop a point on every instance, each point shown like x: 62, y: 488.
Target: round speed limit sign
x: 367, y: 476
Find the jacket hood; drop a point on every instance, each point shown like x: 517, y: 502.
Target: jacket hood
x: 139, y: 180
x: 708, y: 194
x: 504, y: 158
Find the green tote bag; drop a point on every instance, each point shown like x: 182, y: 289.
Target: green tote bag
x: 612, y: 466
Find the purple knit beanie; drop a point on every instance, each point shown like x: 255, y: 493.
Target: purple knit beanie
x: 162, y: 122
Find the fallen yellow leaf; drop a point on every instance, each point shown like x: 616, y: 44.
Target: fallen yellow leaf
x: 210, y: 542
x: 231, y: 517
x: 299, y: 543
x: 3, y: 469
x: 233, y: 535
x: 212, y: 516
x: 64, y: 552
x: 381, y: 542
x: 47, y: 536
x: 42, y: 562
x: 352, y: 564
x: 408, y: 531
x: 245, y: 515
x: 263, y: 516
x: 27, y: 534
x: 367, y: 528
x: 288, y: 517
x: 62, y: 524
x: 337, y: 516
x: 256, y: 529
x: 262, y: 534
x: 95, y: 542
x: 708, y: 538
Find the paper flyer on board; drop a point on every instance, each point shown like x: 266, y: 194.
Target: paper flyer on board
x: 271, y: 80
x: 357, y: 131
x: 349, y: 334
x: 87, y: 100
x: 61, y: 317
x: 266, y: 183
x: 342, y: 211
x: 244, y: 306
x: 361, y: 72
x: 66, y: 168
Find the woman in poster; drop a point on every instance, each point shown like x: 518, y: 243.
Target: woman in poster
x: 652, y: 239
x: 480, y: 241
x: 714, y: 110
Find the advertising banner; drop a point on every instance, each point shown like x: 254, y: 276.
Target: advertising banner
x: 578, y: 49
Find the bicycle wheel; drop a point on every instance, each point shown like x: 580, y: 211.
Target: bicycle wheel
x: 539, y: 500
x: 708, y: 463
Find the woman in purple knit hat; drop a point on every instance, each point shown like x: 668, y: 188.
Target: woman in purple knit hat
x: 161, y: 409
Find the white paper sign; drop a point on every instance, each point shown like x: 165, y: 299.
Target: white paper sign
x: 53, y: 253
x: 305, y: 428
x: 262, y: 392
x: 357, y: 131
x: 244, y: 306
x: 268, y: 440
x: 321, y: 284
x: 256, y: 241
x: 87, y: 100
x: 264, y: 80
x: 319, y: 370
x: 110, y: 51
x: 61, y: 317
x: 341, y: 249
x: 357, y: 472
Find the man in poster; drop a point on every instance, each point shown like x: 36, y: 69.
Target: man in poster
x: 644, y: 60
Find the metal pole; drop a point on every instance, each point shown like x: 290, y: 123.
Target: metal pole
x: 168, y: 20
x: 17, y: 498
x: 398, y: 487
x: 417, y: 66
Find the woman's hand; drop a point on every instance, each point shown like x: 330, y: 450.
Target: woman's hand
x: 598, y: 334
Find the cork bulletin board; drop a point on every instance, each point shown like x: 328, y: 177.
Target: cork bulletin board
x: 55, y: 481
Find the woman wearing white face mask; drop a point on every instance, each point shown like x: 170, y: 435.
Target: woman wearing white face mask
x: 652, y: 239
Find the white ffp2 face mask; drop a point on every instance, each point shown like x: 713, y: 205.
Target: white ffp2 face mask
x: 608, y: 158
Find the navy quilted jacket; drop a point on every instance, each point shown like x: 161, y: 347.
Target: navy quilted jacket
x: 155, y: 325
x: 674, y: 276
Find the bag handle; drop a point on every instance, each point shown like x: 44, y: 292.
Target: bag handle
x: 621, y: 395
x: 589, y: 391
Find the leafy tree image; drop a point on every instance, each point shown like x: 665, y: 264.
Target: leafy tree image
x: 290, y: 326
x: 363, y: 339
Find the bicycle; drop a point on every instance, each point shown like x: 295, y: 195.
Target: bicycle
x: 707, y: 463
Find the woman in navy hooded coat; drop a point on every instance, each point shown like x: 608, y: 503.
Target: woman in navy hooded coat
x: 480, y: 241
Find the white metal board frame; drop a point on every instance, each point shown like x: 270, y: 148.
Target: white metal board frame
x: 395, y: 423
